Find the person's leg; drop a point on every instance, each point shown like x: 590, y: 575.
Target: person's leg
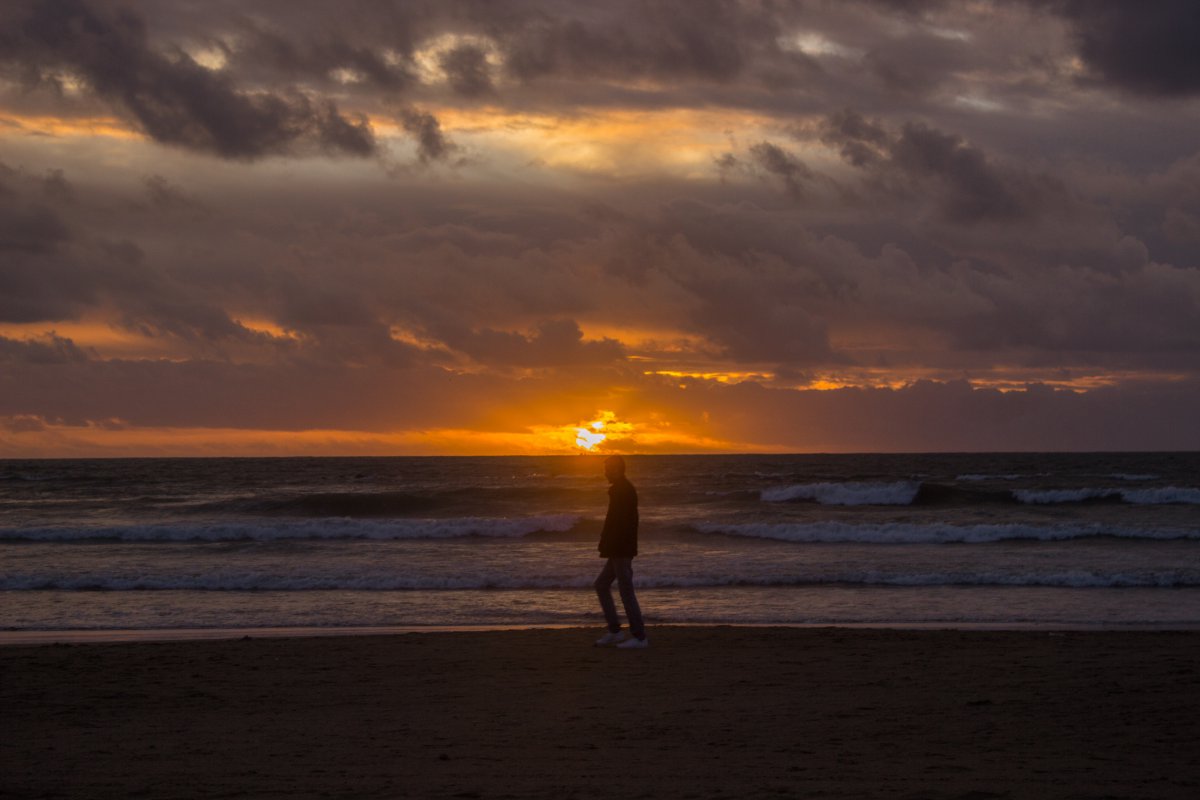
x: 624, y: 572
x: 603, y: 587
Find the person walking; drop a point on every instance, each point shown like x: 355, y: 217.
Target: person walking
x: 618, y: 545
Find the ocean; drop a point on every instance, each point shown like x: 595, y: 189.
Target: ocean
x: 1070, y: 540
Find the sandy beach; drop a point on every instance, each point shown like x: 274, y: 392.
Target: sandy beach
x: 705, y: 713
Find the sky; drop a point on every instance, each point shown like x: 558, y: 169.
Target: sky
x: 289, y: 227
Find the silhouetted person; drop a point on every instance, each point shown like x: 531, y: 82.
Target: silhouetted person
x: 618, y: 544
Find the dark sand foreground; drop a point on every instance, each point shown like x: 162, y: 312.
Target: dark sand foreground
x: 707, y: 712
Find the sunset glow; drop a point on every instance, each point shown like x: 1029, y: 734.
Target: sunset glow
x: 589, y: 439
x: 562, y: 228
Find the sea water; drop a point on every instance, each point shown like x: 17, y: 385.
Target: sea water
x: 970, y: 539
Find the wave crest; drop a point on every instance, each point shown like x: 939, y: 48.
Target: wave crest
x: 908, y: 533
x: 900, y: 493
x: 1163, y: 495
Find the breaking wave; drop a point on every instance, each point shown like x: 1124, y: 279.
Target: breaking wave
x: 901, y: 493
x: 1157, y: 496
x: 908, y: 533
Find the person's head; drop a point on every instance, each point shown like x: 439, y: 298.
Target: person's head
x: 614, y: 468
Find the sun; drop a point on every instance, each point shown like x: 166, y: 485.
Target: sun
x: 588, y: 438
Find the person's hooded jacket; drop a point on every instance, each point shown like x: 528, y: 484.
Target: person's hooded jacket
x: 619, y: 537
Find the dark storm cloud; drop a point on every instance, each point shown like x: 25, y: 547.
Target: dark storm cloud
x: 172, y: 99
x: 953, y: 416
x: 858, y: 139
x: 290, y: 395
x: 978, y: 211
x: 166, y: 196
x: 56, y: 187
x: 553, y: 343
x: 266, y: 53
x: 432, y: 144
x: 782, y: 164
x: 467, y: 70
x: 47, y: 349
x: 767, y: 286
x: 55, y: 269
x: 918, y: 63
x: 37, y: 278
x: 975, y: 190
x: 1151, y: 47
x: 30, y: 228
x: 706, y: 39
x: 970, y: 188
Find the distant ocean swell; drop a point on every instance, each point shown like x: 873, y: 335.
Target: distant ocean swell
x: 903, y: 493
x: 519, y: 527
x: 389, y: 504
x: 934, y: 533
x: 257, y: 582
x: 1161, y: 496
x: 332, y: 528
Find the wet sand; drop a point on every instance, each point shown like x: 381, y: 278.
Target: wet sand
x: 704, y: 713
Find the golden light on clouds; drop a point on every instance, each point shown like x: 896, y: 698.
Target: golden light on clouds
x: 86, y: 127
x: 95, y: 334
x: 428, y: 57
x: 589, y: 438
x: 719, y: 377
x: 613, y: 142
x: 31, y: 436
x: 264, y: 326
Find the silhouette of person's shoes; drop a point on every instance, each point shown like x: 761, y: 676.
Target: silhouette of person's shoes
x: 611, y: 638
x: 634, y: 643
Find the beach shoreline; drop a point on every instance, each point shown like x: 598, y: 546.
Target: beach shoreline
x: 11, y: 638
x: 707, y: 711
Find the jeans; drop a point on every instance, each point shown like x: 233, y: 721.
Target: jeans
x: 620, y: 570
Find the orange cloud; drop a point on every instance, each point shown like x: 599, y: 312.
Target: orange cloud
x: 612, y: 142
x: 111, y: 127
x: 26, y: 436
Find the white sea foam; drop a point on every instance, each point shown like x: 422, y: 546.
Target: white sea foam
x: 908, y: 533
x: 503, y: 527
x: 1129, y: 476
x: 1162, y: 495
x: 900, y: 493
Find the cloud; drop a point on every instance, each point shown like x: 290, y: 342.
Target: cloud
x: 969, y: 187
x: 552, y: 343
x: 974, y: 189
x: 46, y: 349
x: 265, y: 48
x: 1151, y: 48
x: 955, y: 416
x: 171, y: 98
x: 858, y: 139
x: 432, y: 144
x: 467, y: 70
x: 707, y: 39
x: 822, y: 194
x: 777, y: 161
x: 166, y: 196
x: 30, y: 229
x: 919, y: 63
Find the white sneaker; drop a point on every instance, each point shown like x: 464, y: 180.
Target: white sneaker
x: 634, y: 644
x: 611, y: 638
